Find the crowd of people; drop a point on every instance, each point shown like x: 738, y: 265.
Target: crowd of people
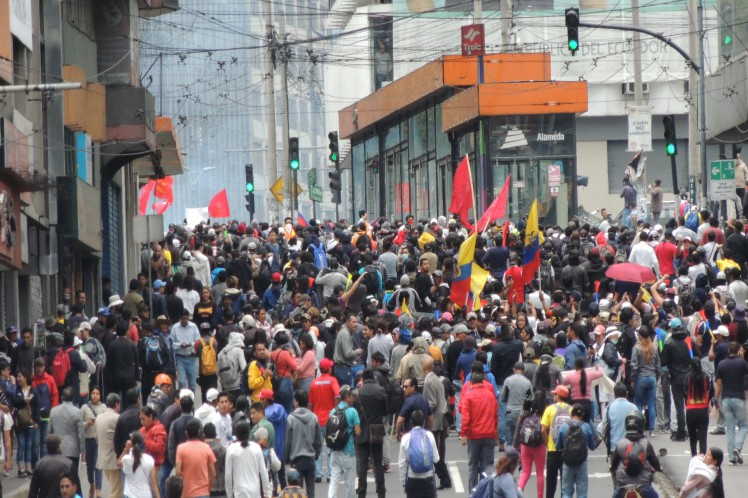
x: 259, y: 360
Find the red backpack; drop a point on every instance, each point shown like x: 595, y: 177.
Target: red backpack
x: 61, y: 366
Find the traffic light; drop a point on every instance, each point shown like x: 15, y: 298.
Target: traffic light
x: 572, y: 29
x: 726, y: 26
x: 293, y: 153
x: 335, y: 185
x: 671, y: 146
x: 249, y: 187
x: 334, y: 156
x: 249, y: 178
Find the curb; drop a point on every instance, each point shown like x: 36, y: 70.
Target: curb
x: 665, y: 485
x: 20, y: 492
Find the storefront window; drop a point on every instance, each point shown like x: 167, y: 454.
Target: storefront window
x: 358, y: 174
x: 392, y: 180
x: 392, y: 137
x: 403, y: 191
x: 422, y: 191
x: 418, y: 138
x: 443, y: 147
x: 372, y: 175
x: 431, y: 129
x: 433, y: 189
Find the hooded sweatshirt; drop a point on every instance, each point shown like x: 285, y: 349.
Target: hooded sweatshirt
x: 303, y: 438
x: 277, y: 416
x: 410, y: 366
x: 232, y: 358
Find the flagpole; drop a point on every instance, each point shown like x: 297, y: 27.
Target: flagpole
x: 473, y: 194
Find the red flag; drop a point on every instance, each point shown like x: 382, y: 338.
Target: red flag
x: 219, y: 205
x: 504, y: 233
x: 497, y: 209
x: 160, y: 206
x: 462, y: 192
x: 165, y: 189
x: 300, y: 220
x: 144, y: 195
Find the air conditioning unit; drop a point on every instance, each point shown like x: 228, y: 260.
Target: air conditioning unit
x: 628, y: 88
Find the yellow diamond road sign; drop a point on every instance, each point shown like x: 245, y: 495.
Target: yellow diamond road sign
x: 277, y: 189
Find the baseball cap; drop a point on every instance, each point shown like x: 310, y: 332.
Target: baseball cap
x: 723, y: 331
x: 604, y: 315
x: 186, y: 393
x: 326, y: 364
x: 158, y: 284
x: 276, y: 277
x: 675, y: 323
x: 212, y: 394
x: 545, y: 359
x: 562, y: 391
x: 471, y: 316
x: 266, y: 394
x: 460, y: 328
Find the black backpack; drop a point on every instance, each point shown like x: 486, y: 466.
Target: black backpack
x: 531, y: 432
x: 336, y: 430
x: 575, y: 446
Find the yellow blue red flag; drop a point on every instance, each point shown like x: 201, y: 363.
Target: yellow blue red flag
x: 533, y: 240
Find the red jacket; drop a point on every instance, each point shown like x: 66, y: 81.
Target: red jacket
x: 45, y: 378
x: 479, y: 412
x: 155, y: 441
x: 322, y: 394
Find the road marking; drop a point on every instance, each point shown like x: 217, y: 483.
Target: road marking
x: 454, y: 473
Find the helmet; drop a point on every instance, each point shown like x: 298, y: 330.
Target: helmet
x: 162, y: 378
x: 634, y: 423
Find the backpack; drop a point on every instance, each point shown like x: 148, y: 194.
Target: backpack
x: 395, y: 395
x: 484, y: 489
x: 692, y: 220
x: 563, y: 416
x: 227, y: 370
x: 575, y: 446
x: 634, y: 458
x: 154, y: 357
x: 420, y: 452
x: 43, y: 399
x: 530, y: 432
x: 320, y: 256
x: 336, y: 430
x: 61, y: 366
x: 208, y: 358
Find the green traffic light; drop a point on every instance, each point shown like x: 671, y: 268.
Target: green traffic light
x: 334, y: 156
x: 670, y: 149
x: 294, y: 164
x: 250, y: 187
x: 573, y: 45
x: 727, y: 40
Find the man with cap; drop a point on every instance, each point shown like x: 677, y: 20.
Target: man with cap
x: 272, y: 294
x: 207, y: 410
x: 158, y: 298
x: 323, y: 392
x: 554, y: 417
x: 676, y: 360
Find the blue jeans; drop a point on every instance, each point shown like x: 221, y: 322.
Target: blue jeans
x: 343, y: 469
x: 163, y: 474
x: 645, y: 394
x: 25, y: 453
x: 510, y: 424
x: 343, y: 374
x: 323, y: 470
x: 734, y: 412
x: 626, y: 217
x: 40, y: 440
x: 574, y: 477
x: 187, y: 372
x: 93, y: 474
x: 480, y: 458
x: 647, y: 491
x: 502, y: 418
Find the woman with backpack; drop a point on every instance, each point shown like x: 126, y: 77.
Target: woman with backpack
x: 529, y: 439
x: 27, y: 425
x: 207, y: 348
x: 699, y: 393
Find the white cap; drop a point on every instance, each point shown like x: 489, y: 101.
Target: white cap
x: 186, y: 392
x: 723, y: 331
x: 77, y: 341
x: 212, y: 394
x: 427, y: 336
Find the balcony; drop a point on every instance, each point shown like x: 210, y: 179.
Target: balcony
x: 167, y: 159
x: 81, y: 203
x: 129, y: 123
x: 85, y: 109
x: 153, y: 8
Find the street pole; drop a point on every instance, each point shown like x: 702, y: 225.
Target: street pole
x: 506, y: 25
x: 272, y: 166
x: 693, y: 108
x: 702, y: 105
x: 285, y: 133
x: 639, y: 95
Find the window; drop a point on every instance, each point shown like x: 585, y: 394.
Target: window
x: 433, y: 189
x: 357, y: 177
x: 418, y: 138
x: 443, y: 147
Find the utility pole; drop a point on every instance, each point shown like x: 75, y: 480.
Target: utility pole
x: 639, y: 93
x: 506, y: 24
x: 290, y: 176
x: 693, y: 108
x: 271, y: 173
x: 702, y: 106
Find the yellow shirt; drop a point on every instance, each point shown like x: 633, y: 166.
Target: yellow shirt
x: 547, y: 421
x: 167, y: 256
x: 425, y: 238
x: 257, y: 381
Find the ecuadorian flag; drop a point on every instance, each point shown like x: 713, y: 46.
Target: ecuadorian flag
x: 469, y: 282
x: 533, y: 240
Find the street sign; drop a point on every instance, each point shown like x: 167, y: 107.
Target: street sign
x: 277, y: 189
x: 554, y: 191
x: 473, y: 40
x: 722, y: 180
x: 315, y: 193
x: 640, y: 129
x: 554, y: 175
x: 311, y: 177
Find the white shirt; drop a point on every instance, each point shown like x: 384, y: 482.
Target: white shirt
x: 205, y: 413
x: 137, y: 483
x: 643, y: 254
x: 7, y: 427
x: 189, y: 299
x: 222, y: 424
x: 246, y: 472
x: 738, y: 291
x: 202, y: 268
x: 402, y: 461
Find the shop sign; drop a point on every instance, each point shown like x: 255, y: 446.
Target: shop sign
x: 554, y: 191
x: 554, y: 175
x: 21, y: 24
x: 473, y: 40
x: 10, y: 214
x: 550, y: 137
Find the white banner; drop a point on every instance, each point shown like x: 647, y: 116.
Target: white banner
x: 640, y: 129
x: 195, y: 216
